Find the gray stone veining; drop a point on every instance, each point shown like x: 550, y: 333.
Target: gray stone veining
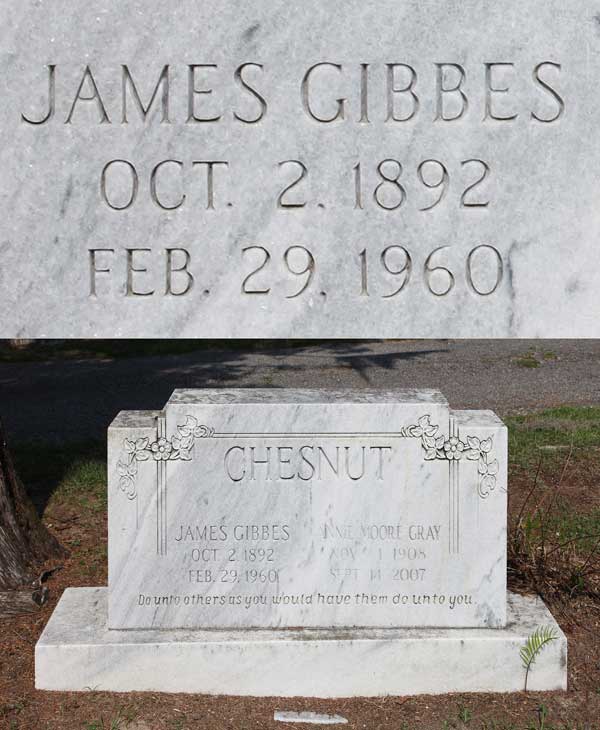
x: 284, y: 508
x: 453, y: 193
x: 298, y: 662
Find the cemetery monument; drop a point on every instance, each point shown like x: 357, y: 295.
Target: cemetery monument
x: 345, y: 542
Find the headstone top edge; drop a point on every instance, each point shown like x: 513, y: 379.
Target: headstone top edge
x: 486, y: 418
x: 273, y: 396
x: 135, y: 419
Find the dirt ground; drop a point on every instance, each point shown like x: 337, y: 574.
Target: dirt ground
x: 24, y: 708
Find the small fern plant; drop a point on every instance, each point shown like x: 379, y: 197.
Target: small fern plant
x: 534, y: 645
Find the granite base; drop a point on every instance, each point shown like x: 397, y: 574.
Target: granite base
x: 77, y: 652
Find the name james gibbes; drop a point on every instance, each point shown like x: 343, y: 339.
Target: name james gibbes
x: 328, y: 92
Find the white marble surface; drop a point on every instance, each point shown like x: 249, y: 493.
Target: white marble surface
x: 311, y: 718
x: 77, y: 652
x: 512, y: 161
x: 361, y: 517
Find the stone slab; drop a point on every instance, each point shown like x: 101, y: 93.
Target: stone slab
x: 404, y: 168
x: 311, y: 718
x: 76, y: 652
x: 314, y: 508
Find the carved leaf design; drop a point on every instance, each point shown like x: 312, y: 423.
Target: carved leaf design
x: 424, y: 422
x: 127, y: 485
x: 493, y: 467
x: 163, y: 449
x: 487, y: 484
x: 452, y: 448
x: 122, y: 469
x: 188, y: 429
x: 127, y: 469
x: 203, y: 432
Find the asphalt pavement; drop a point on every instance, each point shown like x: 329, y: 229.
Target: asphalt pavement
x: 61, y: 401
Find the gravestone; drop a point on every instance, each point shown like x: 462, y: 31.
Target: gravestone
x: 268, y: 508
x: 346, y: 542
x: 404, y: 168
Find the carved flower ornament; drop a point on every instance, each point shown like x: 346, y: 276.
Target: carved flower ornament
x: 161, y: 449
x: 452, y: 449
x: 179, y: 447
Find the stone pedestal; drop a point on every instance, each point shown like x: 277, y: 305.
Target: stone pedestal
x: 303, y: 543
x: 77, y: 652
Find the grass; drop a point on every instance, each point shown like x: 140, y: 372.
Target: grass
x: 79, y: 468
x: 539, y: 719
x: 567, y: 428
x: 72, y: 473
x: 124, y: 717
x: 554, y: 535
x: 573, y: 526
x: 527, y: 361
x: 534, y: 359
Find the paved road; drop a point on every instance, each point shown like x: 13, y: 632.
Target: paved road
x: 76, y: 400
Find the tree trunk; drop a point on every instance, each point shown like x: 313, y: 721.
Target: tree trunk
x: 25, y: 544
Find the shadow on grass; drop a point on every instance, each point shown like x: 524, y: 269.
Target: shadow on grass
x: 64, y: 400
x: 47, y: 350
x: 72, y: 470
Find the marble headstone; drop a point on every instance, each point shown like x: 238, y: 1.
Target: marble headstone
x: 312, y: 508
x: 391, y: 168
x: 303, y: 543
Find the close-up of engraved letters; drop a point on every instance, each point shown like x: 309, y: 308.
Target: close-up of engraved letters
x: 397, y: 169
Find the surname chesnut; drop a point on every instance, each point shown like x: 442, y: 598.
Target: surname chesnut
x: 306, y: 462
